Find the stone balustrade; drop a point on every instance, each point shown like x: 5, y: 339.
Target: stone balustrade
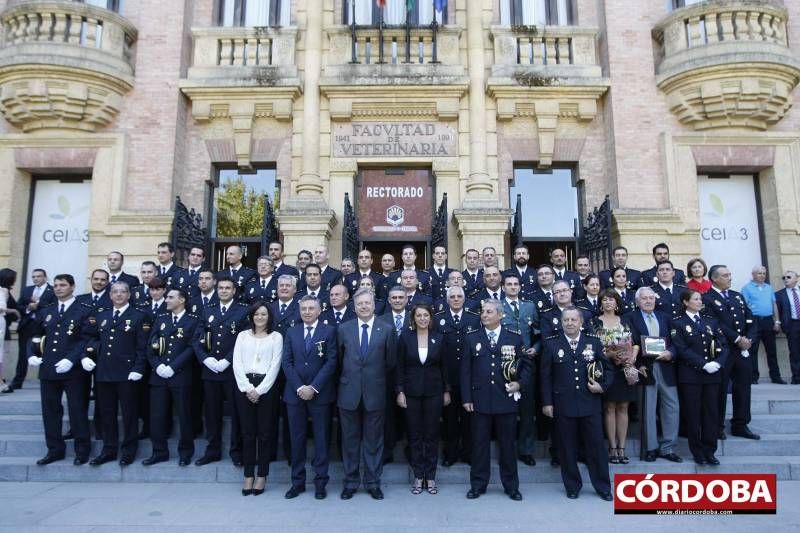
x: 398, y: 49
x: 544, y: 46
x: 726, y: 63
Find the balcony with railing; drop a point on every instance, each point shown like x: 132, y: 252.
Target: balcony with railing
x: 64, y: 64
x: 727, y: 63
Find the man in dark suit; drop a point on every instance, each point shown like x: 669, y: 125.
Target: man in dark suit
x: 240, y: 274
x: 264, y: 286
x: 659, y: 379
x: 491, y: 393
x: 438, y: 273
x: 166, y: 268
x: 558, y: 258
x: 409, y: 258
x: 309, y: 363
x: 58, y: 343
x: 492, y: 289
x: 550, y: 320
x: 473, y: 274
x: 788, y: 301
x: 650, y: 276
x: 728, y: 308
x: 367, y: 351
x: 285, y: 313
x: 408, y: 280
x: 313, y: 286
x: 338, y: 309
x: 575, y: 399
x: 398, y: 317
x: 33, y: 297
x: 206, y: 292
x: 213, y: 344
x: 525, y: 273
x: 620, y: 259
x: 114, y: 261
x: 170, y: 355
x: 456, y: 279
x: 364, y: 270
x: 668, y: 290
x: 542, y: 296
x: 279, y: 267
x: 455, y: 322
x: 329, y: 276
x: 117, y: 353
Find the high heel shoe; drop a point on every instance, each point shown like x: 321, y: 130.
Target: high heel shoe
x: 245, y: 490
x: 416, y: 488
x: 613, y: 458
x: 257, y: 491
x: 623, y: 459
x: 431, y: 486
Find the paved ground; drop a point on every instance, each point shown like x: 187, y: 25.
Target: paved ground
x: 153, y: 507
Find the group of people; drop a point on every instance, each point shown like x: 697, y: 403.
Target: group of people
x: 524, y: 354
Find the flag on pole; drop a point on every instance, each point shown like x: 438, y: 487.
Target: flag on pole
x: 439, y: 5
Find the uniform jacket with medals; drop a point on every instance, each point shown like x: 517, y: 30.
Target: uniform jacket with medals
x: 254, y: 292
x: 171, y: 345
x: 454, y: 338
x: 216, y: 336
x: 61, y: 337
x: 481, y: 373
x: 697, y: 345
x: 734, y: 317
x: 281, y: 322
x: 315, y: 366
x: 328, y: 317
x: 118, y: 347
x: 565, y: 379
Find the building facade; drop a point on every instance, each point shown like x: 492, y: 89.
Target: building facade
x: 679, y: 111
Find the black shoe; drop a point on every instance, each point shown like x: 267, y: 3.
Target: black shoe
x: 320, y: 493
x: 474, y: 494
x: 47, y: 459
x: 8, y: 390
x: 78, y: 461
x: 700, y: 460
x: 126, y: 461
x: 102, y: 459
x: 515, y: 495
x: 144, y: 435
x: 650, y: 456
x: 388, y: 460
x: 572, y: 495
x: 554, y: 461
x: 347, y: 493
x: 68, y: 435
x: 376, y: 493
x: 712, y: 460
x: 745, y: 433
x: 184, y: 462
x: 777, y: 381
x: 528, y: 460
x: 238, y: 463
x: 722, y: 435
x: 754, y: 381
x: 448, y: 463
x: 672, y: 456
x: 207, y: 460
x: 152, y: 460
x: 294, y: 492
x: 606, y: 496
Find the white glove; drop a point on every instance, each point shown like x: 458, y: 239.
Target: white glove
x: 168, y: 372
x: 160, y: 370
x: 88, y: 364
x: 745, y: 353
x: 34, y: 361
x: 222, y: 365
x: 64, y: 366
x: 711, y: 367
x: 134, y: 376
x: 211, y: 363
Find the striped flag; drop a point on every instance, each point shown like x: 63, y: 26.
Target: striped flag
x: 440, y: 5
x: 409, y: 5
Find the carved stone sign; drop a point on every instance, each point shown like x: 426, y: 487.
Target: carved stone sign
x: 394, y: 139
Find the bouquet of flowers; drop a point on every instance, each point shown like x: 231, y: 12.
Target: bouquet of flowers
x: 618, y: 347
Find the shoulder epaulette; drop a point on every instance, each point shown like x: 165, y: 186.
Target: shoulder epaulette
x: 514, y: 331
x: 470, y: 311
x: 440, y: 312
x: 592, y: 335
x: 552, y: 336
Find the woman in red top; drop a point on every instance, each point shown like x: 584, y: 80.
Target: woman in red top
x: 696, y: 271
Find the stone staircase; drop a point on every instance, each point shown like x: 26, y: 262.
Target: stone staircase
x: 775, y: 408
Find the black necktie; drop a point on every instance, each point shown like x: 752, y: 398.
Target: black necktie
x: 114, y: 278
x: 495, y: 296
x: 174, y: 320
x: 205, y: 301
x: 549, y: 298
x: 441, y: 272
x: 308, y: 337
x: 96, y: 297
x: 697, y: 320
x: 61, y: 310
x: 474, y: 280
x: 163, y: 270
x: 283, y: 308
x: 725, y: 294
x: 155, y: 307
x: 516, y: 309
x: 456, y: 319
x: 338, y: 316
x: 364, y: 340
x: 263, y: 284
x: 223, y: 309
x: 116, y: 315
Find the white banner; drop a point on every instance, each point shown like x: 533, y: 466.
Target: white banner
x: 59, y: 238
x: 729, y: 232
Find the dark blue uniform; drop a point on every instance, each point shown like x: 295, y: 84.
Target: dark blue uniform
x: 283, y: 268
x: 441, y: 305
x: 215, y: 338
x: 423, y: 281
x: 483, y: 385
x: 330, y: 277
x: 527, y: 279
x: 438, y: 283
x: 119, y: 347
x: 200, y: 303
x: 695, y: 345
x: 98, y: 303
x: 474, y: 284
x: 457, y: 437
x: 310, y: 363
x: 649, y: 277
x: 321, y: 295
x: 185, y: 279
x: 240, y: 276
x: 573, y: 278
x: 140, y: 296
x: 633, y: 276
x: 174, y: 271
x: 577, y: 411
x: 669, y: 302
x: 171, y: 345
x: 329, y: 316
x: 550, y: 322
x: 63, y: 336
x: 132, y: 281
x: 735, y: 320
x: 385, y: 284
x: 281, y: 322
x: 419, y: 298
x: 352, y: 280
x: 259, y: 290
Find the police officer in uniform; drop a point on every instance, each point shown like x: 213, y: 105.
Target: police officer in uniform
x: 650, y: 276
x: 166, y: 268
x: 119, y: 351
x: 264, y: 287
x: 409, y: 258
x: 286, y: 313
x: 439, y: 273
x: 57, y: 346
x: 140, y: 293
x: 701, y: 351
x: 328, y: 276
x: 206, y: 294
x: 280, y: 268
x: 574, y: 376
x: 489, y: 390
x: 620, y: 260
x: 114, y: 261
x: 213, y: 344
x: 364, y: 261
x: 455, y: 322
x: 668, y: 290
x: 313, y: 286
x: 240, y: 274
x: 338, y: 311
x: 525, y: 273
x: 170, y: 355
x: 473, y: 274
x: 736, y: 321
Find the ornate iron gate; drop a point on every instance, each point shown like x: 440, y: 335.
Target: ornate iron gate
x: 595, y: 238
x: 187, y: 231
